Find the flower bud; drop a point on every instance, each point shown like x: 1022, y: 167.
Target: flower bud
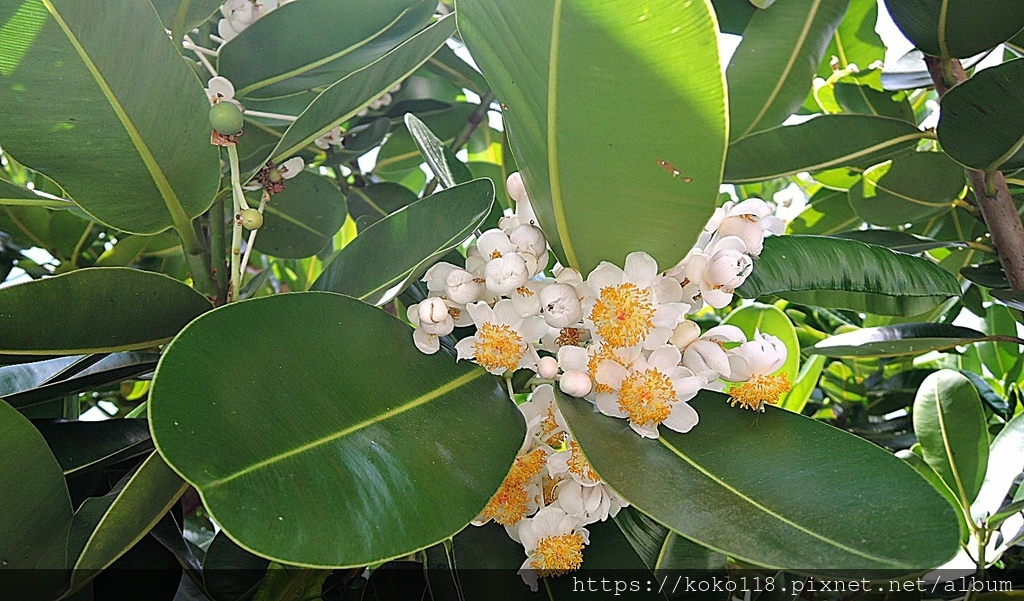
x: 728, y: 268
x: 746, y: 228
x: 706, y: 359
x: 575, y: 383
x: 527, y: 238
x: 463, y: 287
x: 432, y: 311
x: 685, y: 334
x: 506, y: 273
x: 547, y: 368
x: 514, y: 186
x: 560, y: 305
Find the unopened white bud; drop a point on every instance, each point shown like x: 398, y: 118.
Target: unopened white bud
x: 506, y: 273
x: 560, y: 305
x: 575, y: 383
x: 547, y: 368
x: 528, y: 239
x: 432, y: 310
x: 728, y: 268
x: 685, y: 333
x: 746, y: 228
x: 706, y: 359
x: 515, y: 187
x: 463, y: 287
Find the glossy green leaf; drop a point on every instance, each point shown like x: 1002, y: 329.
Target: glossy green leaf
x: 342, y: 100
x: 1011, y: 298
x: 400, y: 154
x: 182, y: 16
x: 433, y: 150
x: 828, y: 212
x: 95, y: 310
x: 897, y: 340
x: 104, y: 528
x: 786, y: 520
x: 909, y: 189
x: 35, y: 510
x: 856, y: 42
x: 856, y: 98
x: 898, y: 241
x: 982, y: 120
x: 769, y: 319
x: 806, y: 381
x: 770, y: 74
x: 80, y: 445
x: 338, y: 38
x: 733, y: 15
x: 389, y: 254
x: 838, y: 273
x: 13, y: 195
x: 377, y: 201
x: 374, y: 457
x: 957, y: 28
x: 31, y: 384
x: 231, y: 573
x: 928, y: 473
x: 302, y: 219
x: 821, y: 143
x: 663, y: 549
x: 291, y: 583
x: 145, y: 107
x: 1005, y: 464
x: 950, y: 424
x: 565, y: 70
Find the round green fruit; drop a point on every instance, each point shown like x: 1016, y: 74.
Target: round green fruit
x: 251, y: 219
x: 226, y: 118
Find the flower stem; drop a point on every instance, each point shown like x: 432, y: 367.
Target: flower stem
x: 238, y: 205
x: 252, y: 236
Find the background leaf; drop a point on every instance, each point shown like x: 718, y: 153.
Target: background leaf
x: 565, y: 70
x: 302, y: 219
x: 769, y: 319
x: 381, y: 451
x: 896, y: 340
x: 910, y: 189
x: 957, y: 28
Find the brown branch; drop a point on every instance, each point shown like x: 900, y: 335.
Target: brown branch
x: 997, y: 209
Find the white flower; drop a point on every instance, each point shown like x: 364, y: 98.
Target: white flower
x: 575, y: 383
x: 463, y: 287
x: 547, y: 368
x: 754, y: 363
x: 717, y: 272
x: 506, y: 273
x: 271, y: 178
x: 527, y: 238
x: 589, y: 503
x: 634, y: 305
x: 748, y: 221
x: 560, y: 305
x: 239, y: 14
x: 331, y: 138
x: 706, y: 357
x: 502, y: 340
x: 515, y: 187
x: 554, y: 542
x: 220, y: 89
x: 521, y: 492
x: 524, y: 214
x: 544, y: 421
x: 650, y: 392
x: 432, y: 319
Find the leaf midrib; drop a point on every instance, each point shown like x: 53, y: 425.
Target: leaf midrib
x: 554, y: 179
x: 412, y: 404
x: 948, y: 448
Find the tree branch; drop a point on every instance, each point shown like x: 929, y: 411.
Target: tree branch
x: 994, y: 200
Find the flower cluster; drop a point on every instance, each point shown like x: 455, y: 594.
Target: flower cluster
x: 618, y: 337
x: 239, y: 14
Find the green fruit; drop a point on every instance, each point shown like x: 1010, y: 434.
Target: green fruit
x: 226, y: 118
x: 251, y: 219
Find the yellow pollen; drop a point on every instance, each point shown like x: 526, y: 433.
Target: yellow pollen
x: 556, y: 555
x: 479, y: 280
x: 595, y: 359
x: 568, y: 337
x: 578, y: 464
x: 496, y: 254
x: 524, y: 291
x: 761, y: 389
x: 647, y: 397
x: 549, y: 429
x: 623, y: 314
x: 750, y: 218
x: 498, y: 347
x: 548, y: 485
x: 510, y: 503
x: 455, y: 312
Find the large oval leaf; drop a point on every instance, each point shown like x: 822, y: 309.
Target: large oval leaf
x: 771, y: 71
x: 389, y: 254
x: 911, y: 188
x: 957, y: 28
x: 338, y: 37
x: 839, y: 273
x: 982, y: 120
x: 1005, y: 464
x: 107, y: 109
x: 302, y: 219
x: 897, y: 340
x: 95, y: 310
x: 950, y: 424
x: 35, y: 510
x: 334, y: 442
x: 821, y: 143
x: 778, y: 511
x: 565, y: 70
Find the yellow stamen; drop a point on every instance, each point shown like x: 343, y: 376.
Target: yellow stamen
x: 498, y: 347
x: 647, y: 397
x: 556, y: 555
x: 510, y: 503
x: 548, y: 485
x: 549, y: 429
x: 455, y: 312
x: 595, y: 359
x: 524, y: 291
x: 623, y: 314
x: 568, y: 337
x: 496, y: 254
x: 760, y: 389
x: 578, y: 464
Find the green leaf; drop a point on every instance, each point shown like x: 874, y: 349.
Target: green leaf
x: 81, y: 446
x: 856, y: 98
x: 856, y: 42
x: 231, y: 573
x: 95, y: 310
x: 827, y: 212
x: 35, y: 510
x: 770, y: 74
x: 982, y: 120
x: 338, y: 38
x: 909, y: 189
x: 440, y: 159
x: 898, y: 241
x: 182, y: 16
x: 401, y: 154
x: 385, y: 257
x: 778, y: 511
x: 769, y: 319
x: 13, y: 195
x: 302, y: 219
x: 806, y: 381
x: 921, y: 467
x: 838, y: 273
x: 566, y: 69
x: 382, y: 452
x: 290, y: 583
x: 104, y: 528
x: 1011, y: 298
x: 378, y: 200
x: 1005, y: 463
x: 897, y: 340
x: 950, y: 425
x: 824, y: 142
x: 957, y: 28
x: 109, y: 111
x: 342, y: 100
x: 32, y: 384
x: 663, y: 549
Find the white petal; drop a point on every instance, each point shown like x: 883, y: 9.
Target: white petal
x: 611, y: 374
x: 533, y: 328
x: 220, y: 87
x: 515, y: 187
x: 641, y: 269
x: 291, y: 167
x: 665, y: 359
x: 573, y: 358
x: 464, y: 348
x: 669, y: 315
x: 645, y: 431
x: 682, y: 418
x: 739, y: 368
x: 426, y: 343
x: 604, y: 275
x: 608, y: 404
x: 667, y: 290
x: 481, y: 313
x: 493, y: 240
x: 725, y: 333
